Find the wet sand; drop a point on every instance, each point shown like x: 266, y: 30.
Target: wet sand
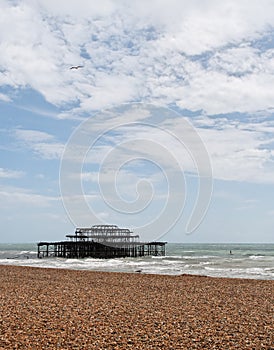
x: 66, y: 309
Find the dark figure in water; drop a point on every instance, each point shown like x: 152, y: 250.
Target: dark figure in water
x: 230, y: 252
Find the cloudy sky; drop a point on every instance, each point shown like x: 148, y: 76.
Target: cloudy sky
x: 169, y: 116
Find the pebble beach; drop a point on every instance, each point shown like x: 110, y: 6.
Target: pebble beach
x: 70, y: 309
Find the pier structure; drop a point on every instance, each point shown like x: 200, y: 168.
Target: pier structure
x: 101, y: 241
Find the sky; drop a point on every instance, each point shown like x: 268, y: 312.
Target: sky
x: 166, y: 127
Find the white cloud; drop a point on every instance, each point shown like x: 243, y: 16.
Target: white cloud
x: 32, y: 135
x: 110, y: 91
x: 198, y: 55
x: 238, y: 152
x: 239, y: 60
x: 19, y: 196
x: 41, y: 143
x: 141, y: 51
x: 48, y: 150
x: 79, y: 9
x: 10, y: 174
x: 88, y: 176
x: 248, y: 204
x: 205, y: 26
x: 4, y: 98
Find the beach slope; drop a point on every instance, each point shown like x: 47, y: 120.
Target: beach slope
x: 68, y: 309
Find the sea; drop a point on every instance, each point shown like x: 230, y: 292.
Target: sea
x: 252, y: 261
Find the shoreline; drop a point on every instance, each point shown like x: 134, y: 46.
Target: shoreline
x: 54, y: 308
x: 134, y: 272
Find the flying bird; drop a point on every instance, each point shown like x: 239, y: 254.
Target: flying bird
x: 76, y: 67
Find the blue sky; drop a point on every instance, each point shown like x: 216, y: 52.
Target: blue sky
x: 170, y: 93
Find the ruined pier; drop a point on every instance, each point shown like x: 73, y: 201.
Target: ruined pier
x: 101, y: 241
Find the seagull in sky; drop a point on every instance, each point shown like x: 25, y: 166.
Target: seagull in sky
x: 76, y: 67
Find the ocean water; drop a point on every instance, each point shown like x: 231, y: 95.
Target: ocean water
x: 255, y: 261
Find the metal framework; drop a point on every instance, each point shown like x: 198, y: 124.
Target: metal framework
x: 106, y: 234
